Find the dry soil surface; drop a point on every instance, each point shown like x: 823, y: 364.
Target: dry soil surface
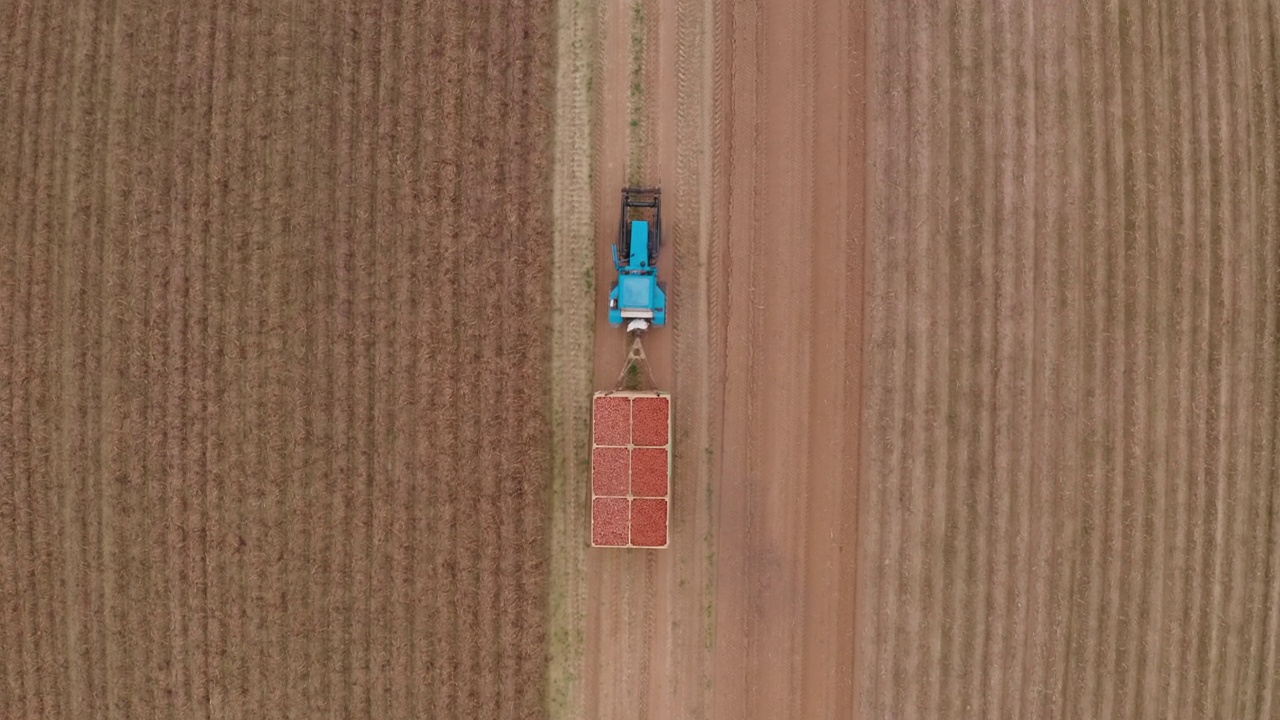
x: 273, y: 359
x: 1071, y: 483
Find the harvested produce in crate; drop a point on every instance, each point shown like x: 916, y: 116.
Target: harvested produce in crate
x: 611, y: 420
x: 649, y: 468
x: 609, y: 521
x: 649, y: 522
x: 610, y: 467
x: 651, y: 421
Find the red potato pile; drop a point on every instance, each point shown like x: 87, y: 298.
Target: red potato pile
x: 612, y: 420
x: 609, y: 524
x: 651, y: 421
x: 610, y: 468
x: 649, y: 472
x: 649, y: 522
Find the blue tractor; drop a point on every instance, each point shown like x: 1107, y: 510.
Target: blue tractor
x: 637, y: 298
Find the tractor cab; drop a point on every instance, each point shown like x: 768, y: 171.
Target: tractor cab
x: 637, y: 298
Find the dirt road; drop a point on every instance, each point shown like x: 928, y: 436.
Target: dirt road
x: 752, y: 125
x: 791, y: 218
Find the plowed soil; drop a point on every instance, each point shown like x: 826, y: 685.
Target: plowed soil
x: 273, y: 359
x: 1071, y: 488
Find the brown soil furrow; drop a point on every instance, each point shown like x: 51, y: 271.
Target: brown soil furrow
x: 226, y: 656
x: 940, y: 501
x: 1197, y: 354
x: 1049, y: 306
x: 460, y: 497
x: 191, y: 613
x: 1220, y: 338
x: 49, y: 530
x: 284, y: 362
x: 13, y: 42
x: 383, y: 447
x: 91, y: 178
x: 220, y: 537
x: 25, y: 489
x: 1239, y: 370
x: 126, y: 267
x: 1264, y: 648
x: 510, y: 79
x: 401, y: 51
x: 166, y: 286
x: 14, y: 259
x: 429, y: 365
x: 1159, y: 229
x: 1080, y: 690
x: 424, y: 369
x: 171, y: 541
x: 339, y: 532
x: 1025, y: 537
x: 307, y: 345
x: 1258, y: 418
x: 449, y: 654
x: 1070, y: 543
x: 1141, y: 186
x: 69, y: 458
x: 916, y: 359
x: 243, y: 318
x: 1116, y: 264
x: 876, y: 539
x: 986, y: 221
x: 472, y: 392
x: 528, y: 630
x: 961, y: 268
x: 505, y: 315
x: 364, y: 374
x: 289, y: 444
x: 1167, y: 122
x: 1183, y: 172
x: 260, y: 324
x: 325, y: 648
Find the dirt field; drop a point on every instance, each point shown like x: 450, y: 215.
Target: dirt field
x: 1071, y: 479
x: 274, y: 359
x: 301, y: 309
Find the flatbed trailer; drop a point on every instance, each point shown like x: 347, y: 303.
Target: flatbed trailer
x: 630, y: 469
